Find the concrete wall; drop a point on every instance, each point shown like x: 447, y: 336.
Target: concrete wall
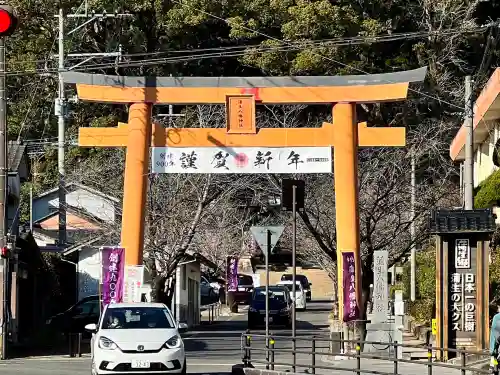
x: 89, y: 272
x: 184, y: 273
x: 483, y: 156
x: 322, y: 285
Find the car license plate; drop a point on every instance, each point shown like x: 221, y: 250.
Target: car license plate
x: 139, y: 363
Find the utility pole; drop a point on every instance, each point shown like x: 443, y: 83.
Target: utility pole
x: 60, y: 107
x: 413, y: 282
x: 469, y: 146
x: 60, y: 110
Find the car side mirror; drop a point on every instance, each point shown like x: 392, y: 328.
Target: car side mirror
x: 182, y: 327
x: 92, y: 327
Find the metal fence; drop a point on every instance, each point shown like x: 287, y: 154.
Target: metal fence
x: 213, y: 310
x: 307, y: 354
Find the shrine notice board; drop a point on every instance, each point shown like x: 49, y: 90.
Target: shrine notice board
x: 462, y: 292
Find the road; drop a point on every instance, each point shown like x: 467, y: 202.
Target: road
x: 210, y: 350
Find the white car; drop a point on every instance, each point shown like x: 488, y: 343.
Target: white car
x: 300, y: 301
x: 137, y: 338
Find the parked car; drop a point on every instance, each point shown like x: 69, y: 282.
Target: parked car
x: 280, y: 307
x: 207, y: 291
x: 300, y: 293
x: 137, y: 337
x: 75, y: 319
x: 303, y: 280
x: 245, y: 289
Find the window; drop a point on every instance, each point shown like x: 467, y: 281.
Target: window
x: 137, y: 318
x: 86, y: 308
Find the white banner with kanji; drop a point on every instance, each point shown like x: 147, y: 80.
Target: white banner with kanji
x: 134, y: 279
x: 242, y: 160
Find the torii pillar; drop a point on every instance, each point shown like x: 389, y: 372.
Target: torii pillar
x: 240, y: 95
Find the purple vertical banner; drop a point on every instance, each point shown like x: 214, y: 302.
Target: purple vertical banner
x: 113, y: 266
x: 232, y: 274
x: 351, y: 310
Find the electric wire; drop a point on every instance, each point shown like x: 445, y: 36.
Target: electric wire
x: 340, y: 41
x: 315, y: 53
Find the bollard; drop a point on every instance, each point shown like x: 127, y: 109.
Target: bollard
x: 462, y: 362
x: 248, y: 353
x: 395, y: 345
x: 70, y: 347
x: 429, y: 359
x: 79, y: 345
x: 358, y: 359
x: 271, y: 347
x: 313, y: 352
x: 212, y: 309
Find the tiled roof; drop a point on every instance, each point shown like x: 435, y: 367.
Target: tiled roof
x: 16, y: 150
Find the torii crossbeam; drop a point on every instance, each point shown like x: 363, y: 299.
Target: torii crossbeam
x: 241, y: 95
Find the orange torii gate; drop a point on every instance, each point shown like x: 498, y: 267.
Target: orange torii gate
x: 241, y: 95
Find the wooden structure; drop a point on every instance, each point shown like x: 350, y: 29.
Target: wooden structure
x: 241, y: 95
x: 462, y: 279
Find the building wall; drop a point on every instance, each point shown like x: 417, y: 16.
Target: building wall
x: 483, y: 156
x: 89, y: 272
x: 322, y: 285
x: 96, y: 205
x: 184, y: 273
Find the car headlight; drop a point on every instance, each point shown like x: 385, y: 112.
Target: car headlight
x: 173, y: 342
x: 105, y: 343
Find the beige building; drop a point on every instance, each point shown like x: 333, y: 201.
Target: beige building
x: 486, y: 132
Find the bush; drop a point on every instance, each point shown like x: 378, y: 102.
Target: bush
x: 488, y: 192
x: 425, y: 278
x: 423, y: 308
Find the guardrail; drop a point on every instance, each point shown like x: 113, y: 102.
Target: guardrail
x: 253, y: 344
x: 214, y: 311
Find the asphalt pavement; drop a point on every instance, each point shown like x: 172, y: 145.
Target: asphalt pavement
x: 211, y: 349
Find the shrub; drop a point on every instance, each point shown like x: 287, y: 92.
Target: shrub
x: 423, y: 308
x: 488, y: 192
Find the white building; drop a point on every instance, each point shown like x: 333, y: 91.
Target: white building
x: 486, y: 132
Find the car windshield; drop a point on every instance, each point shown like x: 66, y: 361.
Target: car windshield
x: 276, y: 294
x: 303, y: 280
x: 137, y: 318
x: 289, y: 287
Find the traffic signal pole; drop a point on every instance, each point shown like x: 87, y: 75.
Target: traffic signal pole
x: 3, y: 196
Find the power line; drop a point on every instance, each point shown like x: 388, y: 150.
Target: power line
x: 340, y: 41
x: 315, y: 53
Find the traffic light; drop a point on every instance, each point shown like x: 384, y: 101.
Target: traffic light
x: 8, y: 20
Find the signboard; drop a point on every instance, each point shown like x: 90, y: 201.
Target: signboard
x: 243, y: 160
x: 232, y: 273
x: 134, y: 279
x: 462, y: 254
x: 113, y: 261
x: 434, y: 327
x: 351, y: 311
x: 462, y: 298
x: 240, y: 113
x: 260, y: 235
x: 380, y: 286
